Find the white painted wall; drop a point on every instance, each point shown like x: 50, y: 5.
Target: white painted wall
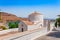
x: 31, y: 27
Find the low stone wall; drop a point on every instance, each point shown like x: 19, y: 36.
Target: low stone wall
x: 29, y: 35
x: 7, y: 31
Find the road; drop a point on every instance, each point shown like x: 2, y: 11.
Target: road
x: 51, y: 36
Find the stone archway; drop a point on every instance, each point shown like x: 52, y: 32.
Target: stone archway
x: 22, y: 27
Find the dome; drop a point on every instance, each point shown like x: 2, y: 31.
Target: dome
x: 35, y: 14
x: 35, y: 17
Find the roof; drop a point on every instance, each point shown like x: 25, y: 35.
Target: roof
x: 27, y: 22
x: 35, y: 13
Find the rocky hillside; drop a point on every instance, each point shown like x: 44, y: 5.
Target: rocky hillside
x: 4, y: 17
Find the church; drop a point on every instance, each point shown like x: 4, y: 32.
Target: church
x: 35, y: 21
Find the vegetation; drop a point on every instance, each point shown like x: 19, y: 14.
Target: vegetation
x: 57, y: 23
x: 13, y: 24
x: 3, y: 27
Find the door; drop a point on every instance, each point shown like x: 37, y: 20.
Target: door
x: 22, y: 30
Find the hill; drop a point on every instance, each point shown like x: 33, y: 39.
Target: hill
x: 5, y: 17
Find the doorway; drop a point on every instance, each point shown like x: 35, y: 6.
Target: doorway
x: 22, y: 29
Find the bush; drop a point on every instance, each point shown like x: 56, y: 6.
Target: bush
x: 4, y: 28
x: 16, y: 24
x: 13, y: 24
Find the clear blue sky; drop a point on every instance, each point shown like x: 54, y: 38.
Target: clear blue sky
x: 22, y: 8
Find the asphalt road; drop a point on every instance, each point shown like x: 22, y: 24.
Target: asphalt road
x: 51, y: 36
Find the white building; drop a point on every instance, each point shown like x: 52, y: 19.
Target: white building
x: 35, y: 20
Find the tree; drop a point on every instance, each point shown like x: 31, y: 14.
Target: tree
x: 58, y: 21
x: 55, y: 24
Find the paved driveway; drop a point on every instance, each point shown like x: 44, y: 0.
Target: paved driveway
x: 50, y: 36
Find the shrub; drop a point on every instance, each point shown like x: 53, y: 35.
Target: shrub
x: 4, y: 28
x: 13, y: 24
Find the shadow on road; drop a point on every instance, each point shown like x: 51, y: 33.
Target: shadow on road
x: 54, y: 34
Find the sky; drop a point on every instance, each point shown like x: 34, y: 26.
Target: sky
x: 22, y: 8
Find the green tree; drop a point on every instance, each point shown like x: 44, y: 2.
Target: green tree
x: 58, y: 21
x: 55, y: 24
